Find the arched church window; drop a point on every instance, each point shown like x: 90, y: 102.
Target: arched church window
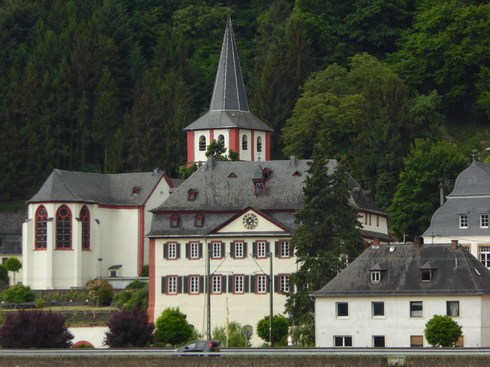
x: 221, y: 139
x: 41, y: 227
x: 259, y: 144
x: 244, y: 142
x: 63, y: 228
x: 202, y: 143
x: 85, y: 219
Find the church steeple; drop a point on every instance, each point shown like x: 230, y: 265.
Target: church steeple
x: 229, y: 119
x: 229, y: 89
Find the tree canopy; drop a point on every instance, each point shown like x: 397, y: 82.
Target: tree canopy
x: 172, y: 328
x: 280, y: 328
x: 442, y: 331
x: 129, y: 329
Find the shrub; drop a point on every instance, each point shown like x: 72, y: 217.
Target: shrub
x: 19, y: 293
x: 35, y: 329
x: 129, y: 329
x: 442, y: 331
x: 100, y: 292
x: 280, y: 327
x: 235, y: 335
x: 172, y: 327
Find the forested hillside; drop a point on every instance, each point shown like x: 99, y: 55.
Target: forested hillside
x: 107, y: 85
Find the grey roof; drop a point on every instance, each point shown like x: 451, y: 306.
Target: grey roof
x: 455, y: 272
x: 225, y: 188
x: 470, y: 196
x: 229, y: 105
x: 11, y: 222
x: 109, y: 189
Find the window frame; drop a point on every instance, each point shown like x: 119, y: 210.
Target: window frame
x: 377, y: 339
x: 171, y: 251
x: 172, y: 280
x: 261, y: 254
x: 449, y: 312
x: 216, y: 285
x: 484, y: 255
x: 346, y: 341
x: 244, y: 142
x: 194, y: 251
x: 375, y: 276
x: 375, y: 313
x: 85, y: 230
x: 217, y: 251
x: 41, y: 229
x: 340, y: 312
x: 64, y: 229
x: 484, y: 220
x: 463, y: 221
x: 194, y: 288
x: 414, y: 313
x: 238, y: 245
x: 415, y: 341
x: 174, y: 221
x: 284, y: 284
x: 202, y: 143
x: 258, y: 280
x: 238, y: 283
x: 259, y: 144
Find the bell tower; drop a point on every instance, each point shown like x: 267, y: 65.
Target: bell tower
x: 229, y: 119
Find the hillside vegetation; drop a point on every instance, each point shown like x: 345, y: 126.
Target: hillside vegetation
x: 107, y: 85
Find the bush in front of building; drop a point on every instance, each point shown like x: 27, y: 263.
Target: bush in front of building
x: 35, y: 329
x: 442, y: 331
x: 235, y: 336
x: 280, y: 327
x: 18, y: 293
x: 173, y: 328
x: 100, y: 292
x: 129, y: 329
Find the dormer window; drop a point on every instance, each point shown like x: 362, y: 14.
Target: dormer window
x: 174, y: 221
x: 375, y: 276
x: 135, y: 190
x: 232, y: 175
x: 198, y: 220
x: 426, y: 272
x: 267, y: 173
x: 296, y: 173
x: 191, y: 195
x: 259, y: 188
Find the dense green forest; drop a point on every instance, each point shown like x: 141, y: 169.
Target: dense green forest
x: 108, y: 85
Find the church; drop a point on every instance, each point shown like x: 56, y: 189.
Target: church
x: 220, y: 244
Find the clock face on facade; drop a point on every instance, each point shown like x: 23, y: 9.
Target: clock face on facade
x: 250, y: 221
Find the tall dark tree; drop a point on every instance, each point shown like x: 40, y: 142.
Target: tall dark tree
x: 327, y: 235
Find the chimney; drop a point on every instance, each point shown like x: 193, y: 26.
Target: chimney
x: 417, y: 243
x: 454, y: 244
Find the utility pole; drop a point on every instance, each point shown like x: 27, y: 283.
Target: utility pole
x: 208, y: 288
x: 271, y: 294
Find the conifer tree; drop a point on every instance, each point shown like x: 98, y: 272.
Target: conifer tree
x: 326, y: 238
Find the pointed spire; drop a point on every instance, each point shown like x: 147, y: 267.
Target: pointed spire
x: 229, y: 89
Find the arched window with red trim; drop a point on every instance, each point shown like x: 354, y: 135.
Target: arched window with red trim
x: 63, y: 228
x: 85, y: 219
x: 41, y: 228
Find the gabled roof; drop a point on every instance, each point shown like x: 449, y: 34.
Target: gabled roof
x: 108, y: 189
x: 455, y: 272
x: 229, y: 105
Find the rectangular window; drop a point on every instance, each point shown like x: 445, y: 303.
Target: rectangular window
x: 425, y: 275
x: 261, y: 249
x: 342, y: 341
x: 194, y: 250
x: 416, y: 309
x: 284, y: 283
x: 378, y: 309
x: 452, y: 308
x: 484, y: 255
x: 171, y: 250
x: 216, y: 284
x: 261, y: 283
x: 484, y: 220
x: 238, y: 284
x: 216, y: 250
x: 194, y: 284
x: 238, y: 250
x: 416, y: 341
x: 171, y: 285
x: 342, y: 309
x: 463, y: 221
x: 378, y: 341
x: 460, y: 342
x: 283, y: 249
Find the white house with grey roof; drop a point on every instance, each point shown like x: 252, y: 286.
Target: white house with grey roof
x: 229, y: 119
x: 387, y: 295
x: 465, y: 215
x: 82, y: 226
x: 226, y: 226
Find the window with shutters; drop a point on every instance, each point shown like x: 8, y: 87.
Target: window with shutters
x: 194, y: 250
x: 283, y: 249
x: 261, y: 284
x: 216, y: 284
x: 194, y: 286
x: 216, y: 250
x: 238, y: 284
x: 171, y: 284
x: 238, y: 249
x: 284, y: 283
x: 171, y: 250
x: 261, y: 249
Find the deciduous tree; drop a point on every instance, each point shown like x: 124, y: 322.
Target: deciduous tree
x: 280, y: 328
x: 129, y: 329
x: 172, y: 327
x: 442, y: 331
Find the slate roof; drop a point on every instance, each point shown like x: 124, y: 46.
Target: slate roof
x: 455, y: 272
x: 225, y: 188
x: 471, y: 196
x: 11, y: 232
x: 108, y: 189
x: 229, y: 105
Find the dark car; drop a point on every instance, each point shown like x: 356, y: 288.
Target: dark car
x: 196, y: 348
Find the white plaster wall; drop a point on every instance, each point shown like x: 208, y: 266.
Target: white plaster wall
x: 200, y: 156
x: 380, y: 225
x: 397, y: 326
x: 246, y: 308
x: 92, y: 334
x: 264, y: 225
